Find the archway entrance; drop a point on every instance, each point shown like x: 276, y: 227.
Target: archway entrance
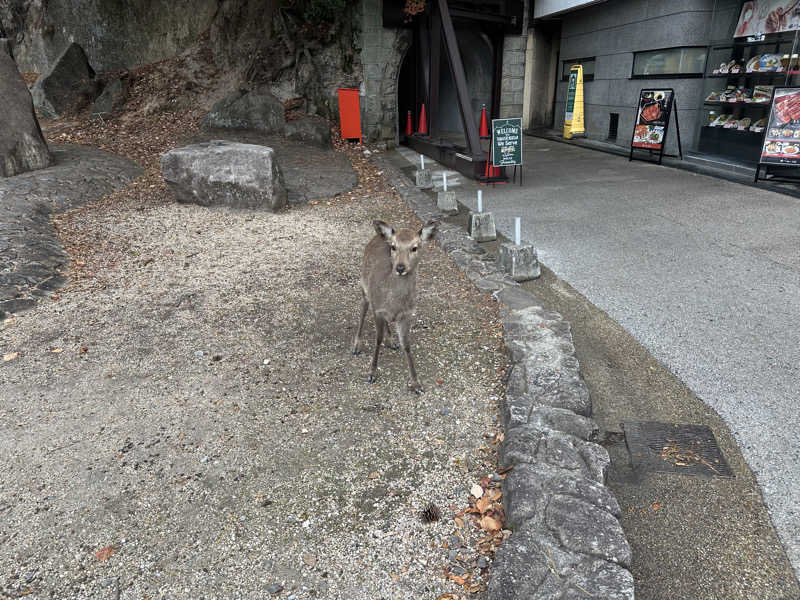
x: 454, y: 67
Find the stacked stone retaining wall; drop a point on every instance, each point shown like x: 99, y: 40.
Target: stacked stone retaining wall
x: 567, y: 542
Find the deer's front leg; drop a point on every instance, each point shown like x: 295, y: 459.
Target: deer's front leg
x: 403, y: 329
x: 380, y: 328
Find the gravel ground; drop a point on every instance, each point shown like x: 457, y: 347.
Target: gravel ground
x: 188, y: 422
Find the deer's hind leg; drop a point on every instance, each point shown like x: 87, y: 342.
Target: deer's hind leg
x: 403, y: 332
x: 364, y: 306
x: 380, y: 328
x: 387, y: 338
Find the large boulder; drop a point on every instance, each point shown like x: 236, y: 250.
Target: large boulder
x: 225, y: 173
x: 313, y: 130
x: 257, y: 109
x: 114, y: 95
x: 67, y: 87
x: 22, y: 145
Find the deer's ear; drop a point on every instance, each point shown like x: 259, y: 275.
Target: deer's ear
x: 428, y: 230
x: 384, y: 230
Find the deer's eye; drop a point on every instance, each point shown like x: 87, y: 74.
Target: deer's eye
x: 414, y: 249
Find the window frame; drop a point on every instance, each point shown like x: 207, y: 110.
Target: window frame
x: 697, y: 75
x: 576, y: 61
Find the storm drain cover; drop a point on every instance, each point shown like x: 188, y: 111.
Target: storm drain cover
x: 675, y: 448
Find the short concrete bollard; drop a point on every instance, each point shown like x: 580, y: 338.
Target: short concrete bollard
x: 480, y: 227
x: 446, y: 201
x: 424, y: 179
x: 520, y: 262
x: 424, y: 176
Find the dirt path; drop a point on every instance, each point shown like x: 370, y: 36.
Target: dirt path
x: 188, y: 422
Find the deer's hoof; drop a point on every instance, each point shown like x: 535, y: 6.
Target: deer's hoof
x: 370, y: 379
x: 356, y: 351
x: 416, y: 388
x: 393, y: 346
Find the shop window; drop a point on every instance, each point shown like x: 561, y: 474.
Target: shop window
x: 586, y: 63
x: 669, y: 62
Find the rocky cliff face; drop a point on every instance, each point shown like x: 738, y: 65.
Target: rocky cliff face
x: 115, y: 34
x: 303, y: 49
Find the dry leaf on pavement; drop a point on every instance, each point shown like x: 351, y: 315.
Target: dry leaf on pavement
x: 104, y: 553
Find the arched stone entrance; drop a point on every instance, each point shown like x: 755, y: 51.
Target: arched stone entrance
x: 478, y: 57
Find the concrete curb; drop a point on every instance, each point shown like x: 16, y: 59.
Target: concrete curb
x: 567, y: 542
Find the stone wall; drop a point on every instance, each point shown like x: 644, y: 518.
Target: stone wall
x: 382, y: 52
x: 512, y: 83
x: 566, y: 539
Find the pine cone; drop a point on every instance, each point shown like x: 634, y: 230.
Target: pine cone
x: 430, y: 513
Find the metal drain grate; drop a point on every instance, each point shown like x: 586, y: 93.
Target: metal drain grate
x: 674, y: 448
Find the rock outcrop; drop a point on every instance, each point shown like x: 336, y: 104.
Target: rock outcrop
x: 220, y: 173
x: 257, y: 109
x: 313, y: 130
x: 22, y: 145
x: 67, y: 87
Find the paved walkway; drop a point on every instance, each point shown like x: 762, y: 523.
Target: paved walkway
x: 703, y: 272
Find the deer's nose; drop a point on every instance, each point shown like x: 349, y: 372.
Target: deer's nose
x: 401, y: 268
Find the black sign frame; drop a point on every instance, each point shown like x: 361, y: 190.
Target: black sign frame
x: 666, y: 110
x: 498, y: 123
x: 784, y: 165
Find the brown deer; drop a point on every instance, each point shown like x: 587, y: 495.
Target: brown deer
x: 388, y: 285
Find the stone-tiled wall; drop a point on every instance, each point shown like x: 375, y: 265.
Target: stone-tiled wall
x: 512, y: 84
x: 382, y: 52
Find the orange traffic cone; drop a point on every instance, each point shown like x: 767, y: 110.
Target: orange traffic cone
x: 423, y: 122
x: 484, y: 127
x: 409, y: 125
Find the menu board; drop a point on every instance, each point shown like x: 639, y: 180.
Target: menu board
x: 506, y: 142
x: 782, y: 134
x: 652, y: 119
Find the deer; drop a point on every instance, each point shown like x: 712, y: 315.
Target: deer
x: 388, y: 287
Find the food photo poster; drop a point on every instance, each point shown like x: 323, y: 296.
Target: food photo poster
x: 652, y: 118
x: 782, y: 136
x: 768, y: 16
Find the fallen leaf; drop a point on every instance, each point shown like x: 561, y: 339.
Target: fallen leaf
x: 104, y: 553
x: 491, y: 524
x: 483, y: 504
x: 447, y: 597
x: 476, y: 490
x: 656, y: 506
x: 56, y: 350
x: 10, y: 356
x: 458, y: 521
x: 373, y: 475
x: 310, y: 559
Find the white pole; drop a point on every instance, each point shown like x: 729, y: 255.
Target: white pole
x: 517, y: 227
x: 444, y: 179
x: 422, y: 162
x: 480, y: 201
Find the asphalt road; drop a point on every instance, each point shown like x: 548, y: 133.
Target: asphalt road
x: 702, y: 272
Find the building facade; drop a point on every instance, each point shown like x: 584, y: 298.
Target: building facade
x: 722, y: 58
